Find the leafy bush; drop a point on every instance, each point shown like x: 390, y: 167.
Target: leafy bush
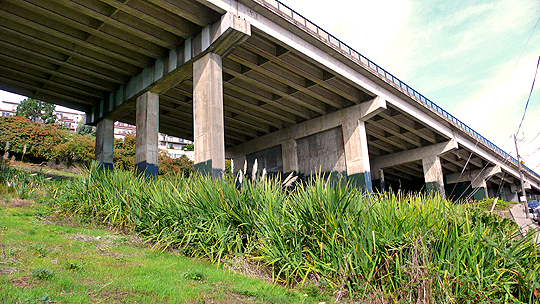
x: 39, y: 139
x: 181, y: 165
x: 75, y: 148
x: 124, y: 158
x: 124, y: 153
x: 44, y: 142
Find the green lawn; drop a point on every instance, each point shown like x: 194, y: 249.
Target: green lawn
x: 47, y: 259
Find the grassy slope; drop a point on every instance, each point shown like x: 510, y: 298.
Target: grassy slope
x: 99, y: 266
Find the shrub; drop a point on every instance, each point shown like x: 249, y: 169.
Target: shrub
x: 75, y: 148
x: 38, y: 138
x: 181, y: 165
x: 44, y: 142
x: 124, y: 153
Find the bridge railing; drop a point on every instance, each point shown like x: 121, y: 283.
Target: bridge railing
x: 297, y: 18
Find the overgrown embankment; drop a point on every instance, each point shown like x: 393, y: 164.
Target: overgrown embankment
x: 385, y: 247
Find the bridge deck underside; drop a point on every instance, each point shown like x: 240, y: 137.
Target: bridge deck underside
x: 76, y: 52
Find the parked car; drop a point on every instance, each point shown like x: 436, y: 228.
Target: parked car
x: 532, y: 205
x: 534, y: 209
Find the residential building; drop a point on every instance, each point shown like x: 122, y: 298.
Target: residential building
x: 70, y: 119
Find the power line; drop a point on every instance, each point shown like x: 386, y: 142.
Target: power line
x: 523, y: 50
x: 530, y: 93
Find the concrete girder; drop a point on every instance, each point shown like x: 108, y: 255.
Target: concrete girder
x: 392, y: 140
x: 64, y: 87
x: 239, y: 106
x: 402, y: 121
x: 219, y: 38
x: 464, y: 154
x: 395, y: 130
x: 51, y: 45
x: 177, y: 26
x: 10, y: 60
x: 38, y: 58
x: 139, y: 62
x: 132, y: 25
x: 148, y: 50
x: 192, y: 11
x: 274, y: 99
x: 272, y: 86
x: 253, y: 104
x: 298, y: 70
x: 303, y: 88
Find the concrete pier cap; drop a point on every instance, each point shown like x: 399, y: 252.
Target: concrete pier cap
x: 431, y: 164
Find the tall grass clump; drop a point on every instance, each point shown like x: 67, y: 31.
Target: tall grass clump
x: 24, y: 185
x: 105, y: 196
x: 333, y: 237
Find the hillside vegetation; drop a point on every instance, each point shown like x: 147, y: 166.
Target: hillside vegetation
x: 327, y: 238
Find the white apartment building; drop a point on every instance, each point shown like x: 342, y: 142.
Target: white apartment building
x: 65, y: 117
x: 70, y: 119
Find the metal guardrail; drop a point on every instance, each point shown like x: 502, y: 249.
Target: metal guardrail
x: 348, y: 50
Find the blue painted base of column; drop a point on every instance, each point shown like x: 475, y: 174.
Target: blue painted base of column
x: 149, y: 170
x: 106, y: 166
x: 206, y: 169
x: 361, y: 180
x: 480, y: 194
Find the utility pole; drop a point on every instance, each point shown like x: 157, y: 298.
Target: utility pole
x: 524, y: 195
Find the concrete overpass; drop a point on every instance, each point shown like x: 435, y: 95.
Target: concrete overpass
x: 244, y: 79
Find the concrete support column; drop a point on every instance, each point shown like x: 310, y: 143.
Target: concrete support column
x: 356, y: 151
x: 146, y: 144
x: 433, y: 175
x: 377, y: 180
x: 289, y: 156
x: 209, y: 134
x: 481, y: 190
x: 105, y: 143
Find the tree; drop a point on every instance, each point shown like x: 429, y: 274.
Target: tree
x: 83, y: 129
x: 36, y: 110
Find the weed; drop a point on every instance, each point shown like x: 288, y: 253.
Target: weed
x: 39, y: 248
x: 42, y: 273
x: 73, y: 265
x: 194, y: 275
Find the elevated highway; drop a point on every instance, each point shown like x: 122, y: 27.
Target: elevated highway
x: 246, y: 79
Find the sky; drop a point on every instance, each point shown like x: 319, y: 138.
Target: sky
x: 475, y: 59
